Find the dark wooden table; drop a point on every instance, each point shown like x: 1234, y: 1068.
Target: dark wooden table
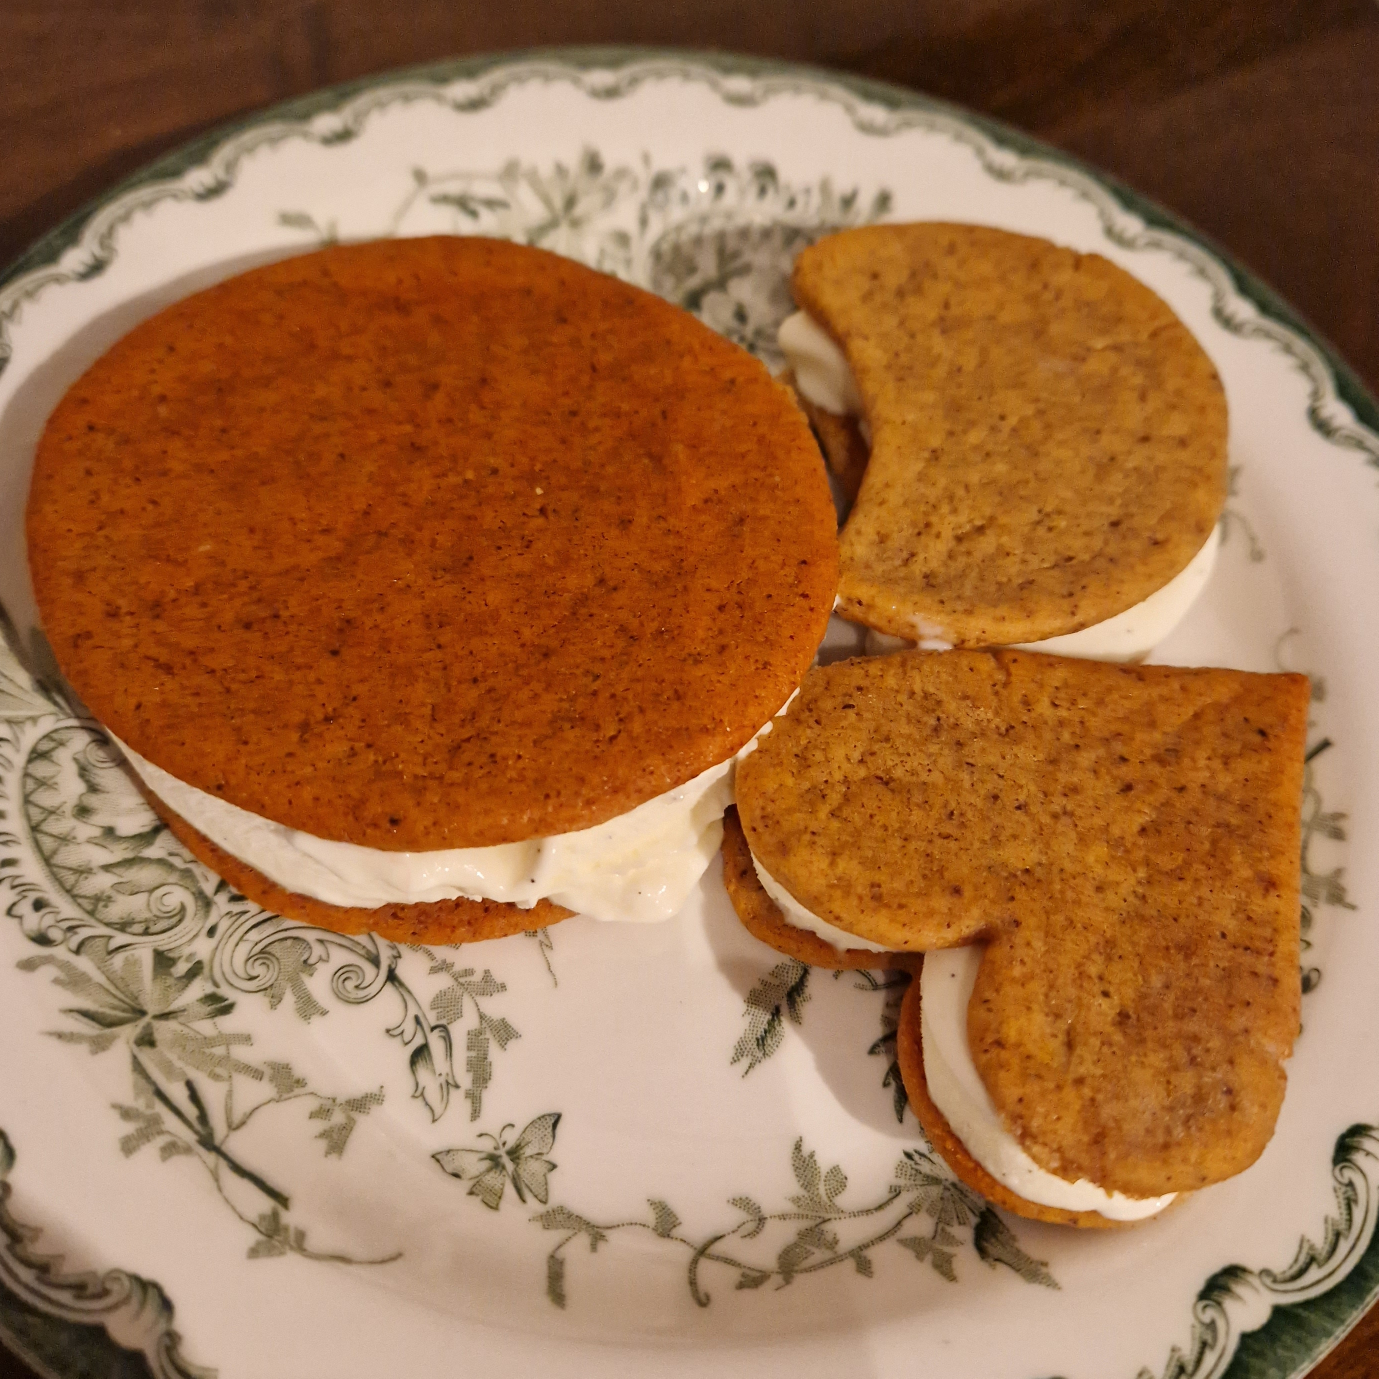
x: 1258, y: 120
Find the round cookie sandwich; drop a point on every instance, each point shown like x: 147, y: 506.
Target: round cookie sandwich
x: 1100, y: 864
x: 1036, y: 443
x: 431, y: 586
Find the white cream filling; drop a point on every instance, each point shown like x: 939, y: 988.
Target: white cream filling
x: 640, y: 866
x: 822, y: 374
x: 798, y: 917
x: 956, y: 1088
x: 821, y: 369
x: 1136, y: 632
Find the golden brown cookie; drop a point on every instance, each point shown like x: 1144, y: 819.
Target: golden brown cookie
x: 1125, y: 838
x: 909, y: 1054
x: 431, y: 922
x: 762, y: 917
x: 1048, y: 439
x: 431, y: 543
x: 840, y: 438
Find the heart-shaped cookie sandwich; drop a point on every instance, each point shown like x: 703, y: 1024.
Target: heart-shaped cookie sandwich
x: 1121, y: 845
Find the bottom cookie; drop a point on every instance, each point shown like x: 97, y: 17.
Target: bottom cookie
x: 762, y: 917
x: 840, y: 438
x: 439, y: 922
x: 951, y: 1149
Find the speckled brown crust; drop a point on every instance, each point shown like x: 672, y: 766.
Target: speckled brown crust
x: 437, y: 922
x: 431, y: 543
x: 909, y: 1054
x: 1048, y: 439
x: 1127, y: 838
x: 762, y: 917
x: 840, y: 438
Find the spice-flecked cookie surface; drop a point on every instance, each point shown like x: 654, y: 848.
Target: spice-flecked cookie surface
x: 1126, y: 841
x: 431, y: 543
x: 763, y: 919
x: 1048, y: 440
x: 909, y: 1054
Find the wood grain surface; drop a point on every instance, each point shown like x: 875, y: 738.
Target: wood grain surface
x: 1257, y: 120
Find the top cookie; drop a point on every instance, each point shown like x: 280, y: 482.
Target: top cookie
x: 431, y: 543
x: 1048, y: 439
x: 1126, y: 841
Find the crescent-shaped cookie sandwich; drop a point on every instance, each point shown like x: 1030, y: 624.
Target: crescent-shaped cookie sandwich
x: 1037, y: 444
x: 431, y: 586
x: 1110, y: 856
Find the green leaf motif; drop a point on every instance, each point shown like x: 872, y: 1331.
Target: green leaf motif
x: 753, y: 1213
x: 894, y: 984
x: 781, y: 993
x: 95, y: 1043
x: 545, y: 946
x: 479, y: 1068
x: 555, y: 1279
x: 753, y: 1278
x: 20, y: 697
x: 500, y: 1030
x: 293, y: 964
x: 922, y: 1247
x: 469, y: 205
x: 336, y: 1137
x: 283, y: 1080
x: 818, y: 1237
x: 105, y: 1019
x: 300, y: 220
x: 448, y: 1006
x: 791, y: 1258
x: 1326, y: 888
x: 1330, y: 825
x: 432, y: 1081
x: 664, y: 1221
x: 362, y: 1105
x: 149, y: 1129
x: 431, y: 1059
x: 806, y: 1168
x: 995, y: 1242
x: 71, y: 978
x: 563, y: 1219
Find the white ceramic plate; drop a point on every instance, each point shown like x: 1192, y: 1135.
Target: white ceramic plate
x: 668, y: 1149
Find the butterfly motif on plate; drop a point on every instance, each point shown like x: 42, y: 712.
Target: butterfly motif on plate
x: 523, y: 1161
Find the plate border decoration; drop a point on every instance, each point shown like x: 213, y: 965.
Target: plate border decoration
x: 48, y: 1315
x: 1260, y: 1322
x: 336, y: 115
